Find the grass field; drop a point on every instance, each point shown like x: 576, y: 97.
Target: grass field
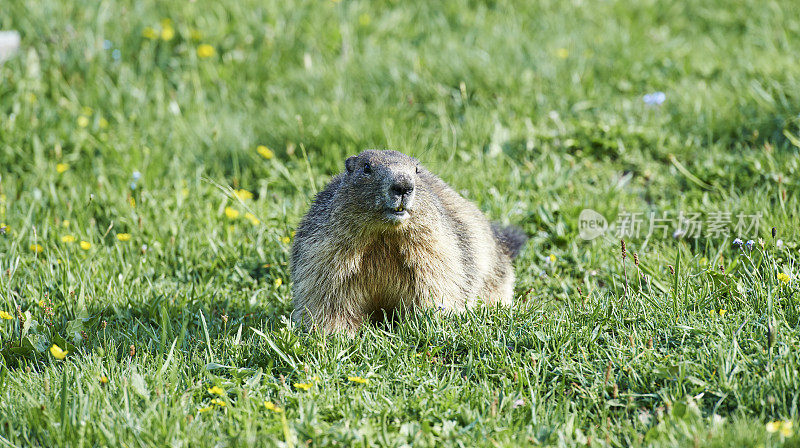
x: 156, y: 156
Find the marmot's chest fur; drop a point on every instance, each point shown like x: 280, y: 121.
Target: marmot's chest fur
x: 387, y: 234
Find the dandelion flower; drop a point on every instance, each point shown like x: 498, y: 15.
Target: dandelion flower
x: 83, y: 121
x: 42, y: 303
x: 265, y: 152
x: 278, y: 282
x: 57, y: 352
x: 357, y: 379
x: 36, y: 248
x: 103, y: 379
x: 67, y: 239
x: 722, y: 312
x: 552, y: 258
x: 218, y: 402
x: 205, y: 409
x: 243, y: 194
x: 304, y: 386
x: 5, y: 315
x: 61, y: 168
x: 85, y: 245
x: 784, y: 427
x: 149, y: 33
x: 231, y: 213
x: 783, y: 277
x: 205, y: 51
x: 167, y: 33
x: 286, y: 240
x: 252, y: 218
x: 272, y: 406
x: 124, y: 236
x: 216, y: 390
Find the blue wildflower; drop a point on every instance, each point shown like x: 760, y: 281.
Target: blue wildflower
x: 107, y: 44
x: 133, y: 185
x: 738, y: 242
x: 655, y: 98
x: 749, y: 244
x: 136, y: 176
x: 116, y: 54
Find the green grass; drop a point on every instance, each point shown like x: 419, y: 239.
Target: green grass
x: 532, y: 109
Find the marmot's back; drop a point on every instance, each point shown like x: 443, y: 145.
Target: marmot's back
x: 387, y: 234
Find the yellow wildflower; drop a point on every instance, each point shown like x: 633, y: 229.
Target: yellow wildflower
x: 67, y: 239
x: 132, y: 201
x: 57, y: 352
x: 722, y: 312
x: 216, y: 390
x: 103, y: 379
x: 42, y: 303
x: 252, y: 218
x: 37, y: 248
x: 124, y: 236
x: 357, y: 379
x: 562, y: 53
x: 205, y: 51
x: 304, y: 386
x: 205, y: 409
x: 65, y: 223
x: 218, y: 402
x: 83, y: 121
x: 231, y: 213
x: 5, y: 315
x: 286, y: 240
x: 552, y: 258
x: 61, y: 167
x: 784, y: 427
x: 294, y: 233
x: 272, y: 406
x: 243, y: 194
x: 85, y: 245
x: 278, y: 282
x: 167, y: 33
x: 150, y: 33
x: 265, y: 152
x: 783, y: 277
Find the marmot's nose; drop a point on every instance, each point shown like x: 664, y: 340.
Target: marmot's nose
x: 401, y: 187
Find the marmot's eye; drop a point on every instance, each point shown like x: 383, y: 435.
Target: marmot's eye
x: 367, y: 168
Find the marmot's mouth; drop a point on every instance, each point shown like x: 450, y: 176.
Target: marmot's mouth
x: 397, y: 214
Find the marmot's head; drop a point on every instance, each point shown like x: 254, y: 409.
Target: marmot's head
x: 380, y: 187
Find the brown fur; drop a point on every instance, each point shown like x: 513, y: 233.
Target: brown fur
x: 352, y: 260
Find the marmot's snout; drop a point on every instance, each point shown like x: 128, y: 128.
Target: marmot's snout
x: 399, y: 196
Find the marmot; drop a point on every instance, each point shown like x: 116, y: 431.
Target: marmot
x: 387, y: 235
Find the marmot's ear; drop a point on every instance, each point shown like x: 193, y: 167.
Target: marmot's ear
x: 350, y: 163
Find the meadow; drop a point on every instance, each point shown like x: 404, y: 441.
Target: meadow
x: 155, y: 158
